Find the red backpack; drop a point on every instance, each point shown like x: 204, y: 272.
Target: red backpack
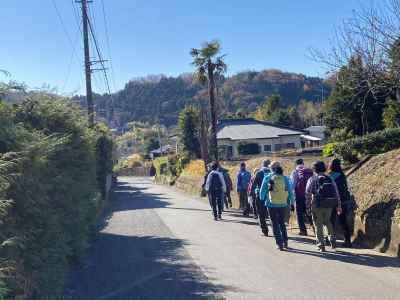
x: 303, y: 175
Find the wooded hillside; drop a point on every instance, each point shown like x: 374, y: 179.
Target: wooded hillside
x: 148, y: 98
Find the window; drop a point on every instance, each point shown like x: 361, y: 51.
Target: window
x: 290, y: 146
x: 267, y: 148
x: 278, y: 147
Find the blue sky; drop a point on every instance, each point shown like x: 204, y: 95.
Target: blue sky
x: 155, y: 36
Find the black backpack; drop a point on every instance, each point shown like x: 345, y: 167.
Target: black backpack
x: 216, y: 184
x: 325, y: 194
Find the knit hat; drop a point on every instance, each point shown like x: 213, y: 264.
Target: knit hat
x: 275, y: 164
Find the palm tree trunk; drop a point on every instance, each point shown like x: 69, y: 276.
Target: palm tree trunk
x: 211, y: 94
x: 204, y: 137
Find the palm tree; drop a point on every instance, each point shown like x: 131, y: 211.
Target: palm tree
x: 209, y: 66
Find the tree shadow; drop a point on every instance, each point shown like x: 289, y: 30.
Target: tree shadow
x: 370, y: 260
x: 378, y: 225
x: 146, y: 267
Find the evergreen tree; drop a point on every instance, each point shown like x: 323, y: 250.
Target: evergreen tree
x: 391, y: 114
x: 188, y: 124
x: 357, y: 100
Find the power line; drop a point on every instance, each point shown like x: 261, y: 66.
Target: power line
x: 69, y: 40
x: 70, y: 64
x: 101, y: 60
x: 77, y: 16
x: 108, y: 43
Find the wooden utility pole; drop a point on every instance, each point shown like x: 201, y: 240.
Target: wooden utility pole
x: 88, y: 71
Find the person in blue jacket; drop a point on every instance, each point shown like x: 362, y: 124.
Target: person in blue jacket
x: 242, y: 184
x: 277, y: 194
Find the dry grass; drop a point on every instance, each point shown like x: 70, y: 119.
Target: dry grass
x: 376, y: 186
x: 194, y: 169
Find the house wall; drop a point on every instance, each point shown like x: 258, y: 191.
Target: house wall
x: 273, y: 143
x: 317, y: 133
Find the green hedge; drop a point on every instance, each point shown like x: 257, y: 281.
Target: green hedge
x: 52, y: 175
x: 373, y: 143
x: 171, y: 166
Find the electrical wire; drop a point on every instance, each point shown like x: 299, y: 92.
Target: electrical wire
x: 108, y: 44
x: 74, y: 54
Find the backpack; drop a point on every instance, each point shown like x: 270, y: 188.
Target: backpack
x: 278, y: 192
x: 303, y: 175
x: 325, y: 194
x: 265, y: 172
x: 228, y: 180
x: 216, y: 184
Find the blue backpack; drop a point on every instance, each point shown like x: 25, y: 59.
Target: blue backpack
x: 245, y: 178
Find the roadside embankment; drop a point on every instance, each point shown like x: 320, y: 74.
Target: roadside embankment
x: 376, y: 187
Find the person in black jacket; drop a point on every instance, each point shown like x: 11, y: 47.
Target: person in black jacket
x: 336, y: 173
x: 255, y: 190
x: 229, y: 187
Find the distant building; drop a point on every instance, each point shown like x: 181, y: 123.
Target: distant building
x: 161, y: 151
x: 317, y: 131
x: 265, y: 137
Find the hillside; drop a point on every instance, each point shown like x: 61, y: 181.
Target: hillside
x: 161, y: 96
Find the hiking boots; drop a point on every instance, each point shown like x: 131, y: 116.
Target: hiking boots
x: 321, y: 248
x: 285, y: 245
x: 333, y: 245
x: 303, y: 233
x: 347, y: 244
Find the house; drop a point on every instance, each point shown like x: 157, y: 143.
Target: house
x: 163, y: 150
x: 317, y: 131
x: 236, y: 135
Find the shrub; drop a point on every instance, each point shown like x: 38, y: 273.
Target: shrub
x: 54, y: 189
x: 373, y: 143
x: 328, y: 150
x: 171, y: 165
x: 248, y: 149
x: 195, y: 168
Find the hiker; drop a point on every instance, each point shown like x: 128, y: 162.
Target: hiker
x: 299, y: 178
x: 255, y: 189
x: 215, y: 187
x: 347, y: 202
x: 276, y: 191
x: 229, y: 187
x: 243, y: 180
x: 322, y: 196
x: 251, y: 193
x: 203, y: 186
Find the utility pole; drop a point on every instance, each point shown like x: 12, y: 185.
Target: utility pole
x: 88, y: 71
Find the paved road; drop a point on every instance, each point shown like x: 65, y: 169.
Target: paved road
x: 162, y: 244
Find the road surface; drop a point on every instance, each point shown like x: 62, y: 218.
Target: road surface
x: 158, y: 243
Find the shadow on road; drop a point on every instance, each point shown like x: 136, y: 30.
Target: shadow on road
x: 124, y: 267
x: 139, y: 267
x: 370, y: 260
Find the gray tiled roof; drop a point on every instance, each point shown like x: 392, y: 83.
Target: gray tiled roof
x: 245, y: 129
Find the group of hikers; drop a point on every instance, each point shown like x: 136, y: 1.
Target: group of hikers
x: 320, y: 196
